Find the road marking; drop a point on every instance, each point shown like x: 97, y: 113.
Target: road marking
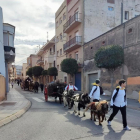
x: 37, y: 99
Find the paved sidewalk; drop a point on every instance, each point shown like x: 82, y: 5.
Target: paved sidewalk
x: 14, y: 107
x: 131, y: 103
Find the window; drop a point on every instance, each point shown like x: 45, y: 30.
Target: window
x: 64, y: 16
x: 60, y: 20
x: 54, y: 48
x: 103, y: 43
x: 126, y: 15
x: 57, y: 53
x: 50, y: 65
x: 65, y: 79
x: 58, y: 67
x: 57, y: 39
x: 60, y: 51
x: 111, y: 1
x: 64, y: 35
x: 130, y: 30
x: 61, y: 36
x: 57, y: 24
x: 76, y: 56
x: 69, y: 37
x: 70, y: 56
x: 110, y: 8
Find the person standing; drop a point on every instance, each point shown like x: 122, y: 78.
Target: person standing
x: 71, y: 86
x: 12, y: 83
x: 42, y: 87
x: 119, y: 102
x: 46, y: 93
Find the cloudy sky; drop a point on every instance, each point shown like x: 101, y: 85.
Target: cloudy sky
x: 32, y: 19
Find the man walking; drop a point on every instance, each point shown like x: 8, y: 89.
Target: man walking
x: 42, y: 87
x: 119, y: 102
x: 95, y: 93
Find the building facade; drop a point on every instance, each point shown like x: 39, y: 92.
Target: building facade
x: 103, y: 15
x: 60, y: 20
x: 31, y: 61
x: 7, y: 50
x: 126, y: 35
x: 47, y: 59
x: 24, y: 69
x: 74, y: 40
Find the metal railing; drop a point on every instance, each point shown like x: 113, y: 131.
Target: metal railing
x: 40, y: 60
x: 52, y: 53
x: 75, y: 40
x: 75, y: 17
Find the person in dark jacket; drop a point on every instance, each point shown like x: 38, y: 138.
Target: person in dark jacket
x: 119, y: 102
x: 42, y: 87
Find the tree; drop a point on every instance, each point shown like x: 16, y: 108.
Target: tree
x: 29, y: 72
x: 37, y: 71
x: 52, y: 71
x: 110, y: 58
x: 44, y: 72
x: 70, y: 66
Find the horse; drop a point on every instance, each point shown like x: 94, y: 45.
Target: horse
x: 83, y: 100
x: 67, y: 98
x: 99, y: 109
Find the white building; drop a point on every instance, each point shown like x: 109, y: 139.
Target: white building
x: 102, y: 15
x: 7, y: 49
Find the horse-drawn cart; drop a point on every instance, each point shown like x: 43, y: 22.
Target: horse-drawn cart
x: 56, y: 90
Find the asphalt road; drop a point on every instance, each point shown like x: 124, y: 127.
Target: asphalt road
x: 51, y: 121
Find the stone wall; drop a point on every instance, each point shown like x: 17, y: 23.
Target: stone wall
x: 126, y: 35
x: 2, y: 88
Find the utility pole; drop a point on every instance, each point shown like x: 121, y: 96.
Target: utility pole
x: 122, y: 12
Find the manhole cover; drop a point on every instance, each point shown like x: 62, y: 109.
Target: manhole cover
x: 7, y: 104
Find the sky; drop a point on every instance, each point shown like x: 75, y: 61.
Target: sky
x: 32, y: 19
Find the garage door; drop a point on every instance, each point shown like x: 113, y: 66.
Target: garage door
x: 92, y: 78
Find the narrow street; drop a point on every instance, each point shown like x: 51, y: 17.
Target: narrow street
x: 51, y: 121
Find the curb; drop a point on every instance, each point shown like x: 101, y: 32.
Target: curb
x: 16, y: 115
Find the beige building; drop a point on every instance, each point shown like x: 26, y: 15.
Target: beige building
x: 60, y: 20
x: 46, y: 59
x: 24, y: 69
x: 74, y: 40
x: 31, y: 61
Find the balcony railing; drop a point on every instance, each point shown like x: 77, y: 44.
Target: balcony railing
x: 40, y: 61
x: 76, y: 41
x: 52, y: 53
x: 73, y: 19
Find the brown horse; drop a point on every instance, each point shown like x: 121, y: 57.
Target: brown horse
x: 99, y: 109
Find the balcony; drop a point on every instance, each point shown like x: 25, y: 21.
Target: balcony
x: 73, y: 44
x: 8, y: 41
x: 9, y: 54
x: 40, y: 62
x: 73, y: 22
